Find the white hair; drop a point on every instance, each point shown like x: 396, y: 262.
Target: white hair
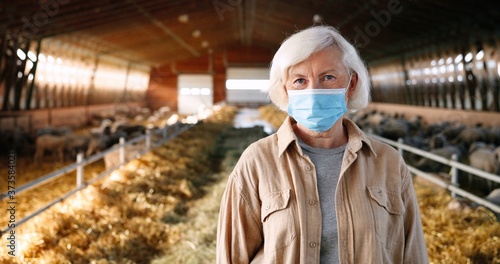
x: 300, y: 46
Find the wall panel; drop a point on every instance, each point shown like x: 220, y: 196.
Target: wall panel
x: 461, y: 75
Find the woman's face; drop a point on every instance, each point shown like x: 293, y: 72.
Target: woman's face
x: 323, y: 70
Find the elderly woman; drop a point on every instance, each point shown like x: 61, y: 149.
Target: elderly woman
x: 319, y: 190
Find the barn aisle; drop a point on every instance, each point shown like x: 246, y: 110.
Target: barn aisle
x: 250, y: 117
x: 197, y: 229
x: 161, y: 208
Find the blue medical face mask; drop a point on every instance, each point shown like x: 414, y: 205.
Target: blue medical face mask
x: 317, y: 109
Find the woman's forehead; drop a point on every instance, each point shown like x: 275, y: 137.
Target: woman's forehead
x: 328, y: 59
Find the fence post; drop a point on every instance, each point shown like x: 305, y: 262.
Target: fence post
x: 122, y: 150
x: 454, y: 175
x: 79, y: 169
x: 148, y: 139
x: 400, y: 149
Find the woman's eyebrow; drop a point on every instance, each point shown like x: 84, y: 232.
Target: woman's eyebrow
x: 296, y: 74
x: 329, y: 71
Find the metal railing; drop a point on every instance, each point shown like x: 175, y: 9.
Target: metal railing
x: 81, y: 162
x: 455, y: 166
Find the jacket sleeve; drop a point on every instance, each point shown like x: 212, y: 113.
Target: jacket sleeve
x: 415, y: 250
x: 239, y: 232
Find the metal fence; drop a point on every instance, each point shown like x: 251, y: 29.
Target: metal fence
x: 455, y: 166
x: 165, y: 134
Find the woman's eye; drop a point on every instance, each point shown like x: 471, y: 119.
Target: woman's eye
x: 299, y: 81
x: 329, y: 78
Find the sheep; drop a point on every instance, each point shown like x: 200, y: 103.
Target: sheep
x: 55, y: 144
x: 56, y: 131
x: 76, y: 143
x: 58, y: 145
x: 469, y: 135
x: 105, y: 127
x: 17, y: 139
x: 100, y: 142
x: 485, y: 157
x: 494, y: 197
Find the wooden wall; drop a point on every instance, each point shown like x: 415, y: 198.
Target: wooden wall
x: 437, y: 115
x: 162, y: 90
x: 462, y: 75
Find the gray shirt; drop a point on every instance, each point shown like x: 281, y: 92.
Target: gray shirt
x: 327, y: 163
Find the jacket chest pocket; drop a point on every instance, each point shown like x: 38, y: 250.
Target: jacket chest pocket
x: 388, y: 210
x: 278, y: 220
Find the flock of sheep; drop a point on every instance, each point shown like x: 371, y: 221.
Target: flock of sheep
x: 63, y: 143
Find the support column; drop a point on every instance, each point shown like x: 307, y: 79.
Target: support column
x: 220, y: 65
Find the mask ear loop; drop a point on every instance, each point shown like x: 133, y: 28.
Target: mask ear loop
x: 350, y: 78
x: 349, y: 83
x: 347, y: 88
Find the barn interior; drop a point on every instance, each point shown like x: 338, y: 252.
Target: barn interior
x: 84, y: 55
x: 73, y: 63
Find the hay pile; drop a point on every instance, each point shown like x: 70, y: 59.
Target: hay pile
x: 198, y: 228
x: 272, y: 115
x: 127, y: 217
x: 456, y: 236
x: 35, y: 198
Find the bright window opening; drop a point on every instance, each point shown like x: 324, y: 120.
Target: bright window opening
x: 195, y: 93
x: 247, y: 84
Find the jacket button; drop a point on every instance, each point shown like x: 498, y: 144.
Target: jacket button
x: 307, y: 168
x: 313, y: 244
x: 312, y: 202
x: 268, y: 206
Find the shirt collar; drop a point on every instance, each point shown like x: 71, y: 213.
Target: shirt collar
x: 286, y: 135
x: 356, y: 136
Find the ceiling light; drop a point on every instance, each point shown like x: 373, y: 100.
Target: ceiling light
x: 480, y: 55
x: 21, y: 54
x: 469, y: 57
x: 184, y: 18
x: 205, y: 44
x: 317, y: 18
x: 196, y: 33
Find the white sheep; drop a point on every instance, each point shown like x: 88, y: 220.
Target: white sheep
x: 55, y: 144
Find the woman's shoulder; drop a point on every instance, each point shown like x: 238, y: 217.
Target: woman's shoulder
x: 382, y: 148
x: 258, y: 160
x: 265, y: 146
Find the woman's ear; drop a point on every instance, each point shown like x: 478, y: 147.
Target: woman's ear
x: 352, y: 85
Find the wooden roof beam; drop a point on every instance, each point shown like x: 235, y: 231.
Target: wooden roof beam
x: 164, y: 28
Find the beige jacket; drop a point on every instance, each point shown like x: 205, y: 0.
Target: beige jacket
x: 270, y: 210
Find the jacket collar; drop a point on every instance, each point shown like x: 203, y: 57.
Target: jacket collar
x: 355, y: 142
